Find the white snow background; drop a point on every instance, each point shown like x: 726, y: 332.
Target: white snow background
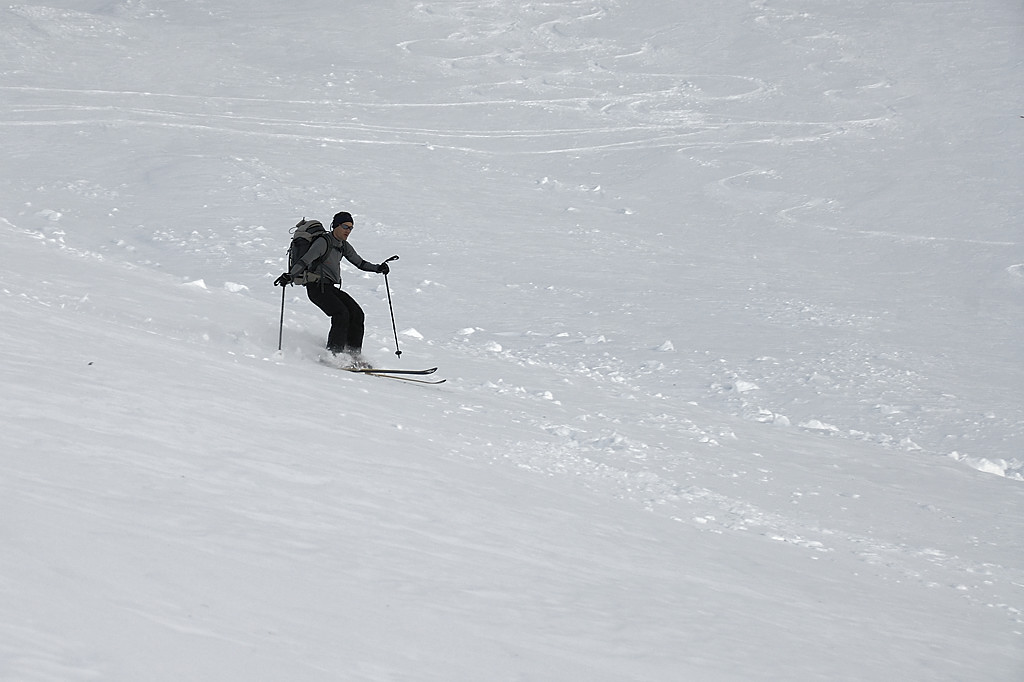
x: 729, y: 295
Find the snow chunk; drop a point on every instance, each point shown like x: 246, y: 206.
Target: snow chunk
x: 745, y: 386
x: 198, y: 284
x: 768, y: 417
x: 1013, y: 469
x: 666, y: 347
x: 817, y: 425
x: 235, y: 288
x: 412, y: 333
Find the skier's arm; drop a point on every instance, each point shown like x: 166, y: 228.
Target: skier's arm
x: 355, y: 259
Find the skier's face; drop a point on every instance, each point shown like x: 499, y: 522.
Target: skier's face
x: 343, y: 231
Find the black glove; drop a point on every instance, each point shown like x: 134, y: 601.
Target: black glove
x: 383, y: 268
x: 283, y: 280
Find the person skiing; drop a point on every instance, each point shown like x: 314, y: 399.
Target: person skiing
x: 347, y: 318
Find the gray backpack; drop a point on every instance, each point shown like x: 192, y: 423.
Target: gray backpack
x: 304, y: 234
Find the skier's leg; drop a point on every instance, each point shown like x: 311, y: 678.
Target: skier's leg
x: 356, y: 323
x: 332, y: 301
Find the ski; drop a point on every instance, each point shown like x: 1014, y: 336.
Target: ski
x: 400, y: 374
x: 400, y: 377
x: 373, y: 370
x: 332, y: 362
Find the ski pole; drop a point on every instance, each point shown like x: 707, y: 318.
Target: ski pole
x: 398, y: 351
x: 280, y: 334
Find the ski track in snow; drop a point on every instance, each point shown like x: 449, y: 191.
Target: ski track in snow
x: 614, y: 110
x: 650, y: 120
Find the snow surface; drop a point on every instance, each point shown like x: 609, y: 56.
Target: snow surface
x: 729, y: 297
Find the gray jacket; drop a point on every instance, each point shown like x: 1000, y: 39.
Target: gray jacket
x: 329, y: 269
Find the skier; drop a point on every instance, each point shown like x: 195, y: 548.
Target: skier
x: 347, y: 318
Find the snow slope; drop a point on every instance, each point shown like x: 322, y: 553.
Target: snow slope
x: 729, y: 297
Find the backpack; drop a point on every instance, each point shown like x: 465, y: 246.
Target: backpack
x: 304, y: 234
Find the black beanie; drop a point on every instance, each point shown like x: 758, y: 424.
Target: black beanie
x: 339, y: 218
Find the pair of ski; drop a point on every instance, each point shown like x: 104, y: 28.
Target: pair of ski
x: 400, y: 374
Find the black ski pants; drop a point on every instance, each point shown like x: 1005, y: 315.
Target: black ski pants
x: 347, y: 318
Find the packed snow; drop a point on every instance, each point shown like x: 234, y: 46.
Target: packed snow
x: 728, y: 295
